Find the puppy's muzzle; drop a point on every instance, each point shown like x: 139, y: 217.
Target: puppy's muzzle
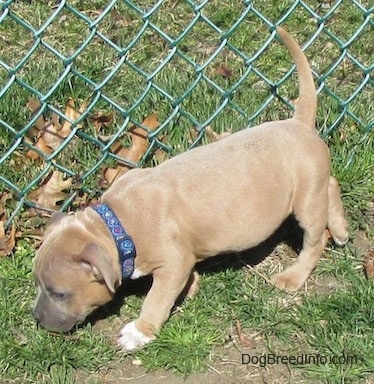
x: 52, y: 316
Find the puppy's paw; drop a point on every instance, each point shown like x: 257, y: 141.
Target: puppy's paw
x: 338, y: 229
x: 131, y: 338
x: 288, y: 281
x: 341, y: 239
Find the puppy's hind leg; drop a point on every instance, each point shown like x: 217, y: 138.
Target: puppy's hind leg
x: 192, y: 286
x: 311, y: 212
x: 336, y: 222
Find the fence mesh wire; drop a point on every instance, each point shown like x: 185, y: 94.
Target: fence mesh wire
x: 77, y: 77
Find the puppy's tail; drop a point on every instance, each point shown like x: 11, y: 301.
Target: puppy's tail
x: 306, y: 108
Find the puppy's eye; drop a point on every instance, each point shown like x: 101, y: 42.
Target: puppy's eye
x: 58, y: 295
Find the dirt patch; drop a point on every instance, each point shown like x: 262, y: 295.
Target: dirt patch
x: 226, y: 368
x: 362, y: 243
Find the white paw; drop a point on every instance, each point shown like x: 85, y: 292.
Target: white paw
x: 131, y: 338
x: 341, y: 241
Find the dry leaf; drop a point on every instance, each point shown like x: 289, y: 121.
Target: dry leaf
x: 214, y: 136
x: 53, y: 133
x: 294, y: 102
x: 40, y: 144
x: 210, y: 135
x: 36, y: 131
x: 192, y: 136
x: 73, y: 115
x: 369, y: 264
x: 52, y: 191
x: 111, y: 174
x: 7, y: 238
x: 4, y: 196
x: 100, y: 120
x: 244, y: 341
x: 223, y: 70
x: 50, y: 134
x: 160, y: 155
x: 34, y: 106
x: 139, y: 139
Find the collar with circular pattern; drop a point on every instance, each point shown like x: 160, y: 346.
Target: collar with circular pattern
x: 125, y: 244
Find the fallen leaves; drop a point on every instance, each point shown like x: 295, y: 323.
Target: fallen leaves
x: 244, y: 341
x: 51, y: 191
x: 214, y: 136
x: 49, y: 134
x: 211, y: 135
x: 363, y: 245
x: 223, y: 70
x: 294, y: 102
x: 46, y: 136
x: 160, y: 155
x: 369, y: 264
x: 7, y: 237
x: 101, y: 120
x: 139, y: 145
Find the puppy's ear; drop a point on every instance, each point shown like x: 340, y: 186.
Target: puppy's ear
x: 93, y: 257
x: 55, y: 219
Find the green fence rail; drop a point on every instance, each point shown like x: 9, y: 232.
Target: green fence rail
x: 195, y: 63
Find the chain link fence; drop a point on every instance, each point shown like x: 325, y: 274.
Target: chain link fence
x: 91, y: 89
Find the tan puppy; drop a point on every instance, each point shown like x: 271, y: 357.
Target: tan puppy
x: 223, y: 197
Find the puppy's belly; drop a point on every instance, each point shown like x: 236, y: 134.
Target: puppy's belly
x: 234, y: 239
x: 242, y: 226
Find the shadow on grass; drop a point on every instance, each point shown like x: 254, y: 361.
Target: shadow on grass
x: 289, y: 232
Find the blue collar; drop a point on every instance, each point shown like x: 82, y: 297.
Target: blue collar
x: 124, y: 242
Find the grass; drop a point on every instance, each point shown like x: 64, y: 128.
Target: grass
x: 334, y: 316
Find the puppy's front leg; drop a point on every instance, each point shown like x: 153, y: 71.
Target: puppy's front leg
x: 168, y: 282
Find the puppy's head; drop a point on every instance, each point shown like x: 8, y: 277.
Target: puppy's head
x: 73, y: 274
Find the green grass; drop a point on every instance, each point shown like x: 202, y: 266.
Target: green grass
x: 332, y: 318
